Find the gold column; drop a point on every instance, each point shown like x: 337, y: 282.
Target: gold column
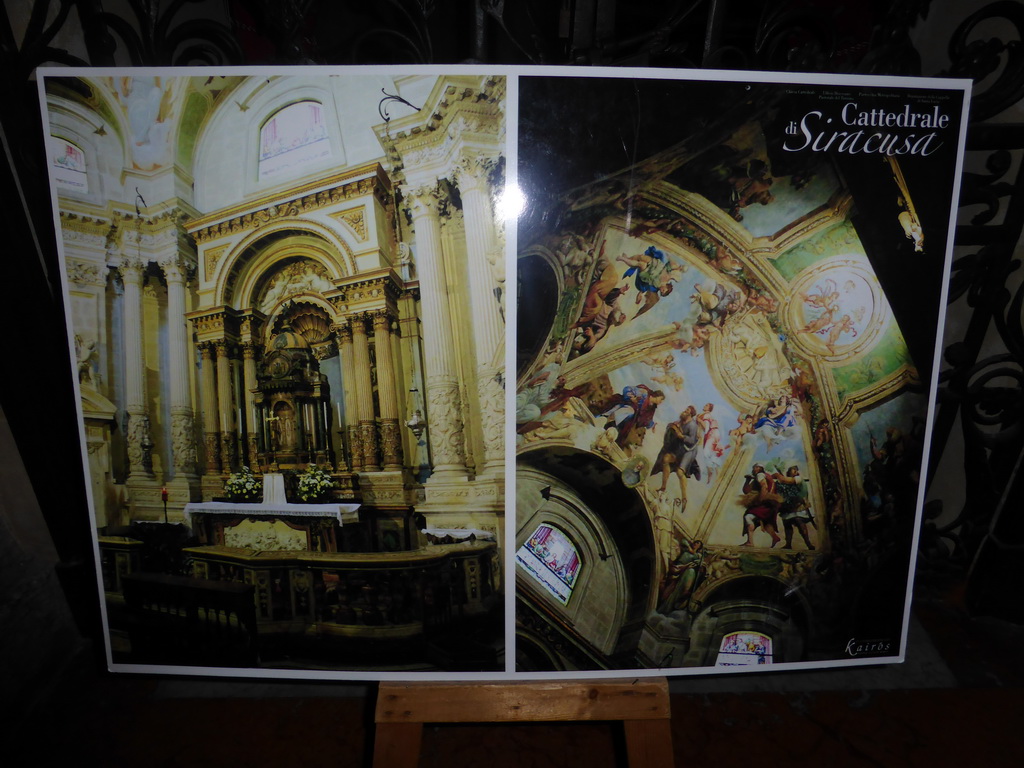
x: 249, y: 378
x: 364, y: 394
x: 209, y: 392
x: 137, y: 437
x: 182, y: 440
x: 346, y: 359
x: 228, y: 444
x: 390, y: 436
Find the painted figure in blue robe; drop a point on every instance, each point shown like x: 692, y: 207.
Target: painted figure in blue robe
x: 779, y: 416
x: 653, y: 274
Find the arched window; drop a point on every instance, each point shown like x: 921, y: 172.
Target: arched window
x: 744, y: 648
x: 68, y: 161
x: 552, y: 560
x: 293, y: 137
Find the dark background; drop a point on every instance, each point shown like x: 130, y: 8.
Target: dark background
x: 969, y: 558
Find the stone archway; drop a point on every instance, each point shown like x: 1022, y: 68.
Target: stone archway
x: 267, y: 251
x: 609, y: 520
x: 752, y: 604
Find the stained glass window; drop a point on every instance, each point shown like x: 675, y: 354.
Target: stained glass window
x: 552, y: 560
x: 69, y: 169
x: 744, y: 648
x: 295, y: 136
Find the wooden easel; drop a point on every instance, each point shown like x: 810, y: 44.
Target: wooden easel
x: 641, y: 704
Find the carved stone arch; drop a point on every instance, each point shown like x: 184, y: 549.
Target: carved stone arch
x: 267, y: 265
x: 541, y: 280
x: 196, y: 108
x: 708, y: 219
x: 534, y: 653
x: 598, y: 486
x: 271, y: 95
x: 763, y: 603
x: 200, y: 104
x: 239, y: 278
x: 95, y: 98
x: 83, y: 115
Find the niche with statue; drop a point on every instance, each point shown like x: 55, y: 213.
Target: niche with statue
x: 292, y: 405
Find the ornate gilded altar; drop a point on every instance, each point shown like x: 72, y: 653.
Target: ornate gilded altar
x: 291, y: 404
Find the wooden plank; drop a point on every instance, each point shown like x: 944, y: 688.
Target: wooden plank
x: 523, y: 700
x: 649, y: 742
x: 397, y: 745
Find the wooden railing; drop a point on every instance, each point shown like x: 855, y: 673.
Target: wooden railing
x: 438, y: 604
x: 174, y: 619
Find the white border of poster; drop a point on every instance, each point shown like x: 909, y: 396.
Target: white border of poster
x: 956, y: 90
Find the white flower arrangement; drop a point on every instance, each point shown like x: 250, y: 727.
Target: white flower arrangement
x: 314, y: 484
x: 244, y: 486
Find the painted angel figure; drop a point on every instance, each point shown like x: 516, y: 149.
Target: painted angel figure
x: 845, y: 325
x: 707, y: 298
x: 745, y: 422
x: 699, y: 336
x: 713, y: 449
x: 653, y: 274
x: 670, y: 379
x: 664, y: 363
x: 827, y: 297
x: 536, y: 394
x: 601, y: 313
x: 822, y: 307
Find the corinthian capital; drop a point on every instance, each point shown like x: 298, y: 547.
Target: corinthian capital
x: 131, y: 268
x: 381, y: 320
x: 357, y: 323
x: 342, y: 332
x: 423, y: 200
x: 175, y: 268
x: 472, y: 170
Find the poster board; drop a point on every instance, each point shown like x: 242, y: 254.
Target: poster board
x: 609, y: 371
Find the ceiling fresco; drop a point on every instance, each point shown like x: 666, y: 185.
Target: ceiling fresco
x: 721, y: 335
